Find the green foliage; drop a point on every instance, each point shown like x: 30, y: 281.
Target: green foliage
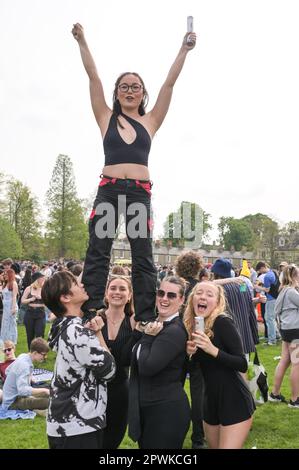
x: 10, y: 243
x: 177, y: 229
x: 235, y: 233
x: 252, y: 232
x: 265, y: 231
x: 20, y: 208
x: 66, y: 230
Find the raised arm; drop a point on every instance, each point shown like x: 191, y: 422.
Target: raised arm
x: 160, y: 109
x: 101, y: 111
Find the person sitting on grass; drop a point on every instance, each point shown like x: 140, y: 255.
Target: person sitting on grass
x: 18, y: 394
x: 9, y: 357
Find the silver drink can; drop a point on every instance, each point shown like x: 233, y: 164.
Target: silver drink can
x: 199, y: 324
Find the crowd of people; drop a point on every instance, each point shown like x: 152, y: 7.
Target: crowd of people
x: 98, y: 352
x: 125, y: 339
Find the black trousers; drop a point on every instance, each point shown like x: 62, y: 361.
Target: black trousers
x: 35, y: 323
x: 116, y: 197
x: 116, y: 414
x: 164, y: 426
x: 263, y: 311
x: 197, y: 394
x: 90, y: 440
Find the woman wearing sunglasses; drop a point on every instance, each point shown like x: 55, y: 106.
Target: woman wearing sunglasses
x: 127, y: 131
x: 159, y: 411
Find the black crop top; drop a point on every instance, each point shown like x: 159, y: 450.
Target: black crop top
x: 118, y: 151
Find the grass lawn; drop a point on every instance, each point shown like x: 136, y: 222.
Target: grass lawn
x: 274, y: 427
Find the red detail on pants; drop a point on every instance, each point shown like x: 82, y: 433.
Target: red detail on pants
x: 145, y: 186
x: 92, y: 214
x: 105, y: 181
x: 150, y: 224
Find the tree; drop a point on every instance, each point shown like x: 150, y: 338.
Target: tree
x: 290, y: 230
x: 20, y: 208
x: 10, y: 243
x: 235, y: 233
x: 189, y: 224
x: 265, y: 232
x: 23, y: 214
x: 66, y: 230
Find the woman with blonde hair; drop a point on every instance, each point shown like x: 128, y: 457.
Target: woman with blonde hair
x: 287, y: 312
x: 9, y: 356
x: 34, y: 318
x: 117, y: 330
x: 228, y: 404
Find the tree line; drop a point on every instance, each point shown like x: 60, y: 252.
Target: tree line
x: 24, y: 232
x: 27, y: 234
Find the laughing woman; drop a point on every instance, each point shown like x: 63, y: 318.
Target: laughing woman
x: 117, y: 330
x: 159, y: 411
x: 127, y: 131
x: 228, y: 404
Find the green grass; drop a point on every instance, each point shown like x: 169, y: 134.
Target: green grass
x: 274, y: 425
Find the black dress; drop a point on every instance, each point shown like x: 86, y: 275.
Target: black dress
x: 159, y: 411
x: 118, y: 388
x: 227, y: 399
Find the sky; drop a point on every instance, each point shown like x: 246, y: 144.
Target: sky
x: 230, y: 140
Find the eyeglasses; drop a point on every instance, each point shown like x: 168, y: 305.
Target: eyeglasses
x: 170, y: 295
x: 135, y: 87
x: 43, y: 354
x: 7, y: 350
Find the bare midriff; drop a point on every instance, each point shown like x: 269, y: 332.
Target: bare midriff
x: 127, y: 170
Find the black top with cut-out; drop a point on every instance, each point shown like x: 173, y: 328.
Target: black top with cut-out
x: 118, y: 151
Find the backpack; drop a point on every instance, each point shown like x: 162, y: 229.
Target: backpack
x: 274, y: 288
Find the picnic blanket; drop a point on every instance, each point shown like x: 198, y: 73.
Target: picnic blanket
x: 16, y: 414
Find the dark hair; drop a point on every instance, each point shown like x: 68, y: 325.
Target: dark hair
x: 76, y: 269
x: 260, y: 264
x: 203, y: 272
x: 116, y: 105
x: 39, y: 345
x: 188, y: 264
x: 178, y: 281
x: 27, y: 279
x: 69, y: 264
x: 54, y: 287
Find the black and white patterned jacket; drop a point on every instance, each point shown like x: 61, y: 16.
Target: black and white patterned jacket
x: 78, y: 395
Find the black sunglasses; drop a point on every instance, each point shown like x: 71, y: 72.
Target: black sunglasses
x: 170, y: 295
x: 7, y: 350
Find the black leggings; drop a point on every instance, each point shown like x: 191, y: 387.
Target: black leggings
x: 35, y: 323
x: 164, y: 426
x: 116, y: 414
x: 114, y: 198
x: 90, y: 440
